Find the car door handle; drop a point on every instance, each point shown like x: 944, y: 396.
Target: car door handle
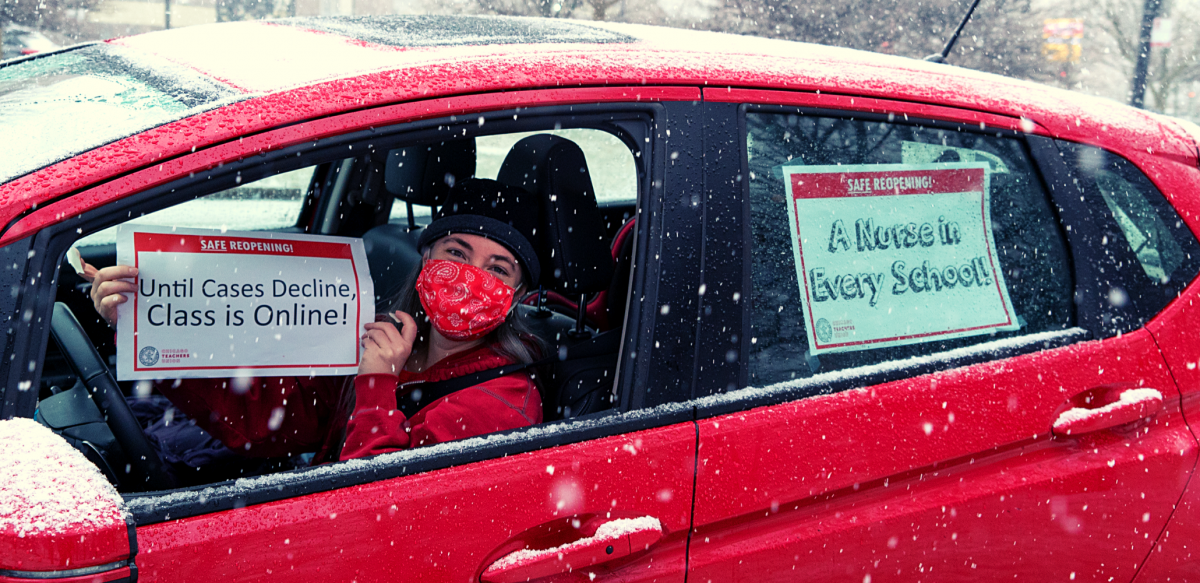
x: 1130, y: 405
x: 613, y: 540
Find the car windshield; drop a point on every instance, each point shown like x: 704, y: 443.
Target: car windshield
x: 71, y: 102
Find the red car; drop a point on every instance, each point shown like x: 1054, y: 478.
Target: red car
x: 871, y: 319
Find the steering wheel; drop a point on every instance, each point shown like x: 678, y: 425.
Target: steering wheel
x: 146, y: 470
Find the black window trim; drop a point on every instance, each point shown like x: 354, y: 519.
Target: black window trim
x: 49, y: 246
x: 665, y: 265
x: 848, y: 379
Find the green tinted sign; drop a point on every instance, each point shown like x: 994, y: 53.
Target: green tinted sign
x: 895, y: 254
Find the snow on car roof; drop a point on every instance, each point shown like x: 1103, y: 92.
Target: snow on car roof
x: 293, y: 70
x: 47, y: 486
x: 266, y: 56
x: 442, y: 55
x: 432, y: 31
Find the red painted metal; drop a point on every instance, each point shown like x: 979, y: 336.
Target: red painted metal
x: 169, y: 143
x: 674, y: 58
x: 447, y: 525
x: 1175, y: 554
x: 118, y: 574
x: 579, y: 556
x: 948, y: 476
x: 78, y: 547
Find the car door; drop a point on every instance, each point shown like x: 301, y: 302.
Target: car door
x: 1163, y: 267
x: 450, y: 511
x: 932, y: 457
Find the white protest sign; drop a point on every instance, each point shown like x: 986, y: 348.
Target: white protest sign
x: 893, y: 254
x: 213, y: 305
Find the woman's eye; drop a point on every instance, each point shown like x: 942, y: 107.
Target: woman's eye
x: 500, y: 271
x: 456, y: 253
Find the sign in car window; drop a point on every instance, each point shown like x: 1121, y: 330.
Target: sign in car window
x: 235, y: 304
x: 895, y: 254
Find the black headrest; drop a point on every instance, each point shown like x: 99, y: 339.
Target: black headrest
x: 424, y: 174
x: 575, y: 257
x: 392, y: 257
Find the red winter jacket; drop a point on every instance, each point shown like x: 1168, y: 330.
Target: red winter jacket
x: 274, y: 417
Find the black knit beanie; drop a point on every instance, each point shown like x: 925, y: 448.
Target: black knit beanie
x: 505, y: 214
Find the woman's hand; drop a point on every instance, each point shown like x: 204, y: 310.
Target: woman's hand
x: 386, y: 346
x: 109, y: 286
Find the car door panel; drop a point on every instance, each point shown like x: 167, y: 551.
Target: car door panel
x: 953, y: 474
x: 445, y: 525
x: 299, y: 527
x: 1175, y: 554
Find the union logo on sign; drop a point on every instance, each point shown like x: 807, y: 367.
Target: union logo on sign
x: 824, y: 330
x: 148, y: 356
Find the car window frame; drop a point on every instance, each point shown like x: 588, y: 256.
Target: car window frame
x: 713, y: 403
x: 47, y: 247
x: 1105, y: 264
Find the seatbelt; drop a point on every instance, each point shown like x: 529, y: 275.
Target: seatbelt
x: 422, y: 394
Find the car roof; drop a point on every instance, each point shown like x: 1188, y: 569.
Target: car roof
x: 293, y: 70
x: 455, y: 54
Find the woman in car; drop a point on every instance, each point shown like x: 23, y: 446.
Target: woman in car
x: 455, y: 319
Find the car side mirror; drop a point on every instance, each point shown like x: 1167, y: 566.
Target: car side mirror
x: 62, y: 518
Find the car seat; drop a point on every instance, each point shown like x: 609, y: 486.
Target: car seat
x: 575, y: 256
x: 420, y: 176
x: 607, y: 309
x: 576, y: 261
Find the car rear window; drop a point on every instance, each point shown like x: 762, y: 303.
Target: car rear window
x: 875, y: 242
x: 66, y: 103
x: 1146, y: 255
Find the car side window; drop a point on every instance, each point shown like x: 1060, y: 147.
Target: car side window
x: 1157, y: 252
x: 612, y: 165
x: 610, y: 162
x: 895, y: 301
x: 1147, y: 254
x: 350, y: 190
x: 271, y: 203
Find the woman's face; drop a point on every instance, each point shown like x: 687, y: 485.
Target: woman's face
x: 480, y: 252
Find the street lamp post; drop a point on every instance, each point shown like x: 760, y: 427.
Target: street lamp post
x: 1137, y: 97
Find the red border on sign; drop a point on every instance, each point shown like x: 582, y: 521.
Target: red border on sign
x: 221, y: 244
x: 842, y: 184
x: 179, y: 243
x: 837, y: 185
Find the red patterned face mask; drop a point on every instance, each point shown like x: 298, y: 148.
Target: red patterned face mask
x: 462, y: 301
